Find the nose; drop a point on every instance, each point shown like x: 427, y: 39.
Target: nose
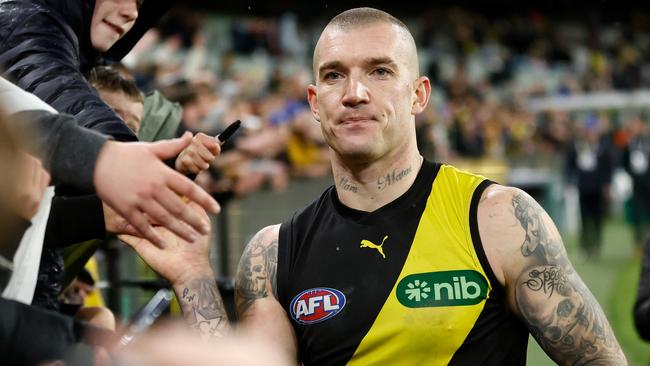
x: 356, y: 93
x: 129, y: 10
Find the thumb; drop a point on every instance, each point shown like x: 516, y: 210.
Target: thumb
x: 171, y: 148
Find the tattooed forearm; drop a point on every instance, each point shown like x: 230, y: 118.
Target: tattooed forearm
x: 257, y: 268
x: 560, y: 311
x: 392, y: 178
x: 347, y: 185
x: 565, y: 320
x: 203, y: 307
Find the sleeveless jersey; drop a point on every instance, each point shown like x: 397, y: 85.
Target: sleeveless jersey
x: 407, y: 284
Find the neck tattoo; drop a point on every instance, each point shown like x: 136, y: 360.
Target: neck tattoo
x: 347, y: 185
x: 392, y: 177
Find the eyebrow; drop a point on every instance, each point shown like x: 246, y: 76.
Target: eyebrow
x: 373, y: 61
x: 381, y: 61
x: 331, y: 65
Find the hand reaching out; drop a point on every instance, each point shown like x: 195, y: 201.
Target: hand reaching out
x: 132, y: 179
x: 176, y: 259
x: 116, y: 224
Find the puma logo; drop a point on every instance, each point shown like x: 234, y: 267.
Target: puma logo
x: 369, y: 244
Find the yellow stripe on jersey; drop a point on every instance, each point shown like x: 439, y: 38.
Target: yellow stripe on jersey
x: 437, y: 320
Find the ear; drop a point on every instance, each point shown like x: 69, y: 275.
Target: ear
x: 421, y: 95
x: 312, y: 98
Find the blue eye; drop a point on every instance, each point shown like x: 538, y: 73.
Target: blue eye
x: 381, y: 71
x: 332, y: 76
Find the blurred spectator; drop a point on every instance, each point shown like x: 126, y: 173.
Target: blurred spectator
x: 590, y: 168
x: 119, y: 93
x: 306, y: 149
x: 636, y: 158
x: 74, y: 297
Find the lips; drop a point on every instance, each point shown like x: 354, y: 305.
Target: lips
x: 114, y: 27
x: 356, y: 119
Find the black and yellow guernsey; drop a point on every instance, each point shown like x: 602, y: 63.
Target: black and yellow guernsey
x: 407, y: 284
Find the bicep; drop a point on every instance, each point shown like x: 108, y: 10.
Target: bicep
x: 258, y: 310
x: 548, y: 294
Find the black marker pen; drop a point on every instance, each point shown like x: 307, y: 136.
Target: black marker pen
x: 229, y: 131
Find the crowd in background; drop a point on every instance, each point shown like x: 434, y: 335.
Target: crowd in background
x: 484, y: 72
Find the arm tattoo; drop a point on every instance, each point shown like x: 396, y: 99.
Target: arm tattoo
x: 203, y: 307
x: 573, y: 329
x: 548, y: 280
x: 257, y: 267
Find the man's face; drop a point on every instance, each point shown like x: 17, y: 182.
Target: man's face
x: 111, y: 20
x: 128, y: 109
x: 367, y: 90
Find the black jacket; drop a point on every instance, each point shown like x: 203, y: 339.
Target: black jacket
x: 642, y: 304
x: 45, y: 48
x: 640, y: 180
x: 591, y: 181
x: 32, y: 336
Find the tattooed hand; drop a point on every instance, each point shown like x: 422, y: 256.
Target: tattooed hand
x: 527, y: 253
x: 186, y: 266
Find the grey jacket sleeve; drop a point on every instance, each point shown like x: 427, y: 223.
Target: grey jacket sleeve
x: 68, y: 151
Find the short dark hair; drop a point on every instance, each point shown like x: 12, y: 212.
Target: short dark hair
x: 109, y: 78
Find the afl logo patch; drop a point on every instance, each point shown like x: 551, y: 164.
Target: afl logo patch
x: 316, y: 305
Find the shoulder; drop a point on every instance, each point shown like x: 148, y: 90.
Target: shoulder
x: 498, y: 202
x: 506, y: 216
x: 267, y: 235
x: 27, y: 16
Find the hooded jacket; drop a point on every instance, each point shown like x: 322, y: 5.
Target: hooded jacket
x: 45, y: 48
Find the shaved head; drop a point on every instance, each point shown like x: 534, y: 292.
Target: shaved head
x: 363, y: 17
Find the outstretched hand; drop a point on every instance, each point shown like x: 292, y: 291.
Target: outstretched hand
x: 176, y: 259
x: 133, y: 180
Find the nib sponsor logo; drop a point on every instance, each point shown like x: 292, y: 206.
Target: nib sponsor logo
x: 448, y: 288
x: 316, y: 305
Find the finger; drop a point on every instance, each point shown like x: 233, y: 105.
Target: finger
x: 187, y: 164
x: 169, y: 217
x: 140, y: 222
x: 181, y: 211
x: 130, y: 230
x: 185, y: 187
x: 199, y: 210
x: 171, y: 148
x: 209, y: 143
x: 204, y: 153
x: 143, y: 247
